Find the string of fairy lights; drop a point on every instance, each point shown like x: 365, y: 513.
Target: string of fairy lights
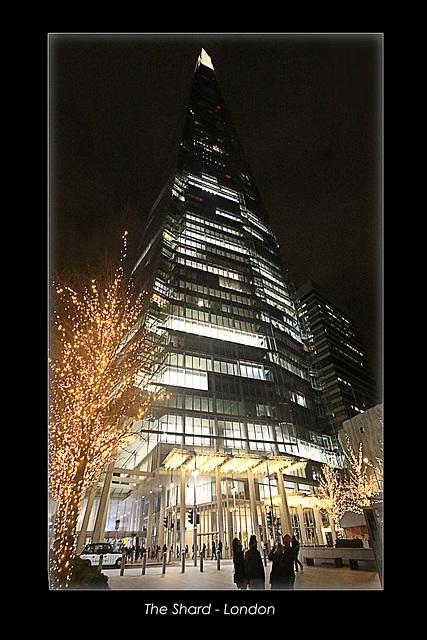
x: 104, y: 359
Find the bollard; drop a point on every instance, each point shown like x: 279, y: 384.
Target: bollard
x: 144, y: 563
x: 183, y: 562
x: 164, y: 563
x: 218, y: 560
x: 122, y: 566
x: 101, y: 558
x: 202, y: 555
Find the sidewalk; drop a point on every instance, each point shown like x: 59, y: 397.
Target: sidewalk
x: 317, y: 577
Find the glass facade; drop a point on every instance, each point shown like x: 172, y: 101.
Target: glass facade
x: 236, y: 368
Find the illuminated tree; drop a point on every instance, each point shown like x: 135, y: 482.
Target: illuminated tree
x: 332, y: 493
x: 360, y: 484
x: 104, y: 356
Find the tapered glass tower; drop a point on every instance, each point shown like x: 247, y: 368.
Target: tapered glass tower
x: 236, y: 370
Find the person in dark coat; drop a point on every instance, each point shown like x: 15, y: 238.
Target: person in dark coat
x: 239, y: 565
x: 282, y: 574
x: 279, y: 570
x: 276, y: 558
x: 253, y: 566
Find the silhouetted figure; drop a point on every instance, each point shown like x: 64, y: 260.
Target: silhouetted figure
x: 295, y: 546
x: 239, y: 565
x: 282, y: 575
x: 254, y: 567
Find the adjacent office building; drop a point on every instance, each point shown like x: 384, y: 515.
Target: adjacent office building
x: 235, y: 445
x: 345, y: 378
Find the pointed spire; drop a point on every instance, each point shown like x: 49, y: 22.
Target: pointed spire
x: 205, y: 60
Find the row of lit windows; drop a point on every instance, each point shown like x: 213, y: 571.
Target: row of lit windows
x: 221, y: 306
x: 209, y: 244
x: 208, y: 147
x: 269, y: 264
x: 259, y: 434
x: 220, y: 293
x: 210, y: 184
x: 212, y: 317
x: 204, y: 226
x: 256, y: 221
x: 229, y: 367
x: 237, y: 396
x: 275, y: 283
x: 220, y: 332
x: 254, y: 233
x: 274, y: 297
x: 200, y: 224
x: 289, y: 366
x: 227, y: 214
x: 228, y: 273
x: 219, y: 405
x: 213, y: 237
x: 199, y: 431
x: 272, y: 292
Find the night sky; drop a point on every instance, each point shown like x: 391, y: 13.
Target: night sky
x: 308, y: 112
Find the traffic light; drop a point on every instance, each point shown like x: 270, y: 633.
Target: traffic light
x: 270, y: 519
x: 190, y: 516
x: 165, y: 522
x: 197, y: 519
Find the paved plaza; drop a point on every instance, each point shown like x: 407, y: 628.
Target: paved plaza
x: 312, y: 577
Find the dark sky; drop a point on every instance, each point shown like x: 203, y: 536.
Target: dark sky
x: 308, y: 112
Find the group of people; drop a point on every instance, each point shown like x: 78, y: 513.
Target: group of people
x: 249, y: 568
x: 133, y: 553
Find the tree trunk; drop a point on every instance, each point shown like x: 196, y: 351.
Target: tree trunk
x: 65, y: 530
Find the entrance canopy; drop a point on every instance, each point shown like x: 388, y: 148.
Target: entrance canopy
x: 207, y: 462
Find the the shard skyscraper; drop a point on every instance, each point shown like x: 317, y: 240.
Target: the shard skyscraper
x: 241, y: 405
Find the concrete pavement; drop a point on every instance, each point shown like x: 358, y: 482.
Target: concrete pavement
x: 311, y: 578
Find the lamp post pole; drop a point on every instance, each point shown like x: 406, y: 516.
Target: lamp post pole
x: 195, y: 473
x: 271, y: 505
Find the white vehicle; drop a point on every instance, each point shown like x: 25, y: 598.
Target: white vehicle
x: 93, y: 551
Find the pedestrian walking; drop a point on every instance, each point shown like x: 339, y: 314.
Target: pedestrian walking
x: 295, y: 546
x: 239, y: 577
x: 213, y: 550
x: 254, y: 567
